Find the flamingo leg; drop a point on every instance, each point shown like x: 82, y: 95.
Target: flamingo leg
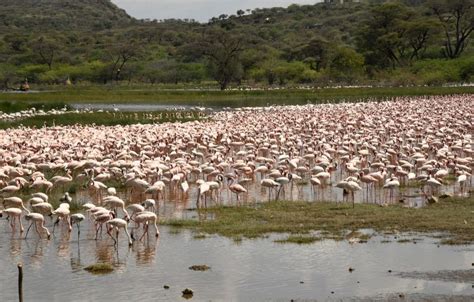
x: 31, y: 224
x: 12, y: 225
x: 145, y: 231
x: 37, y: 231
x: 96, y: 231
x: 108, y: 232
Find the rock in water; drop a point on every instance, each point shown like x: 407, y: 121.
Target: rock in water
x: 201, y: 267
x: 187, y: 293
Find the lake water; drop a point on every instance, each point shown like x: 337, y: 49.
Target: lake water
x: 251, y: 270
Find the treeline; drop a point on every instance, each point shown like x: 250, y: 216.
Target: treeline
x: 411, y: 42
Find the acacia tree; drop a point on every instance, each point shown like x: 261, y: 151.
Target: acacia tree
x: 394, y: 35
x: 418, y: 33
x: 316, y: 53
x: 223, y: 51
x: 46, y: 49
x: 121, y: 54
x: 457, y: 20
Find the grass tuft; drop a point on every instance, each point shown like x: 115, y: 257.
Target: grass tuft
x: 452, y: 216
x: 299, y: 239
x: 100, y: 268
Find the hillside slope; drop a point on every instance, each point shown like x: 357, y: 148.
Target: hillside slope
x: 61, y: 15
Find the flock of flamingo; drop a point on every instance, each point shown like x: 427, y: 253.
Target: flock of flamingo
x: 367, y: 146
x: 31, y: 113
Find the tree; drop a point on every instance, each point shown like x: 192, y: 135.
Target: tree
x: 240, y: 13
x: 457, y: 19
x: 7, y: 76
x: 346, y: 65
x: 393, y: 35
x: 16, y: 42
x: 418, y: 33
x: 46, y: 49
x: 223, y: 51
x: 121, y: 54
x: 315, y: 53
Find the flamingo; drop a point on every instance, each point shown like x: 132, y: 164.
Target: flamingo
x: 11, y: 189
x: 76, y: 219
x: 62, y: 213
x: 282, y: 181
x: 38, y: 220
x: 202, y: 190
x: 113, y: 202
x: 315, y: 181
x: 368, y: 180
x: 14, y: 214
x: 40, y: 195
x: 117, y: 224
x: 461, y: 180
x: 236, y: 188
x: 146, y: 218
x: 149, y: 204
x: 270, y: 184
x: 353, y: 186
x: 14, y: 202
x: 43, y: 208
x: 391, y: 184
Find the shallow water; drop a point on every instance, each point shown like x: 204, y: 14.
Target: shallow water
x: 252, y: 270
x: 178, y: 206
x: 134, y: 107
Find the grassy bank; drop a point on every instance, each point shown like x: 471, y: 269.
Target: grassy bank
x: 120, y: 94
x: 455, y: 217
x: 103, y: 119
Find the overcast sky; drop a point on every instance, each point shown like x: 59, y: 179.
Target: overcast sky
x: 201, y: 10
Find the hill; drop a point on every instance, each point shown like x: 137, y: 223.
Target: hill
x: 61, y: 15
x: 404, y: 42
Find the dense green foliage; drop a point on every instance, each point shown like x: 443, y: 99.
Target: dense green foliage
x: 385, y: 42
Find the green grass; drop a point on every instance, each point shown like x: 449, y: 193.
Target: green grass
x: 299, y: 239
x: 104, y: 119
x: 200, y: 267
x: 120, y: 94
x: 297, y: 218
x: 404, y: 240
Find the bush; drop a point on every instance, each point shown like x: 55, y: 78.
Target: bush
x: 396, y: 77
x: 440, y: 71
x: 32, y: 72
x: 346, y: 65
x: 467, y: 71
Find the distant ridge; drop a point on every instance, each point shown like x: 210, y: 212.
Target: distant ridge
x: 61, y: 15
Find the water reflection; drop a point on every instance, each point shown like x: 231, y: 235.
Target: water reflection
x: 63, y: 246
x: 105, y: 251
x: 75, y: 259
x: 15, y: 249
x: 145, y: 252
x: 37, y: 246
x: 251, y: 270
x: 174, y: 205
